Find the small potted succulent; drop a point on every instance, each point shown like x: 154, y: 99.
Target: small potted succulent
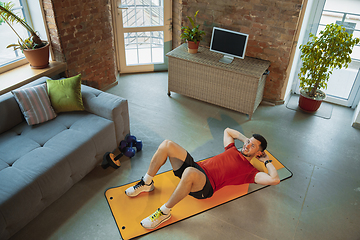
x: 35, y: 50
x: 193, y: 35
x: 320, y: 55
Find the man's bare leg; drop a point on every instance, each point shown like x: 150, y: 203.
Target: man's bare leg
x: 167, y: 149
x: 192, y: 180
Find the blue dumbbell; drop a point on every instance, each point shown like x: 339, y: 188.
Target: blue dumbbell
x: 129, y: 152
x: 128, y: 144
x: 131, y: 140
x: 138, y: 145
x: 122, y: 146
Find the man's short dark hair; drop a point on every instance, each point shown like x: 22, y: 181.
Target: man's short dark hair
x: 262, y: 140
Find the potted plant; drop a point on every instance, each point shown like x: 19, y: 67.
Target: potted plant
x: 35, y: 50
x: 319, y: 57
x: 193, y: 35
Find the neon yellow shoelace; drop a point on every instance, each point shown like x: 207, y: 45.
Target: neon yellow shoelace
x: 156, y: 215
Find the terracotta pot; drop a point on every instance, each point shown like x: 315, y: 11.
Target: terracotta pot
x: 38, y: 58
x: 193, y: 47
x: 309, y: 104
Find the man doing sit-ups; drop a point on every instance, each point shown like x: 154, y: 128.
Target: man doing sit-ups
x: 201, y: 179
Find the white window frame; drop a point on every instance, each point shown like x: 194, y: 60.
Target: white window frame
x: 34, y: 15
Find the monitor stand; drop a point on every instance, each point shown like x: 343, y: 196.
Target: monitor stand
x: 226, y: 59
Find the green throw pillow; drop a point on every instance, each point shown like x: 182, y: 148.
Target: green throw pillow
x: 65, y: 94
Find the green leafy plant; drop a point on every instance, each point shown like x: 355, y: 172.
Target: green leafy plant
x: 8, y: 16
x: 322, y: 54
x: 192, y: 34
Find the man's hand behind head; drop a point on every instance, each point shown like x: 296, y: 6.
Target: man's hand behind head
x: 263, y: 157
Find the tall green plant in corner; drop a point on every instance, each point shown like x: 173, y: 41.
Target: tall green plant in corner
x: 8, y: 16
x: 322, y: 54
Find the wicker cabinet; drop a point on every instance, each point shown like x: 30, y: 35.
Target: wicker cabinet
x: 238, y: 86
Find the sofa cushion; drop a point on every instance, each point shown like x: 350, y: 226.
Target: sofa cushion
x: 10, y: 150
x: 65, y: 94
x: 10, y: 112
x: 35, y: 104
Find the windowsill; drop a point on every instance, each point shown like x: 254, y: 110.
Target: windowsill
x: 22, y: 75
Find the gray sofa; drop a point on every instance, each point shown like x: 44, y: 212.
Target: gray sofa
x: 40, y: 163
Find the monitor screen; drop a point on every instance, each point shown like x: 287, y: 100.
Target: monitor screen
x: 229, y: 43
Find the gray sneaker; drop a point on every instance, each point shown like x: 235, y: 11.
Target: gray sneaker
x: 139, y: 188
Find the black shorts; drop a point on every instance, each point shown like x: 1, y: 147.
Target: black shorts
x: 207, y: 191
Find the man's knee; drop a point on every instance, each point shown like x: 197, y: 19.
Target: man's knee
x: 190, y: 174
x: 193, y: 177
x: 170, y: 147
x: 166, y: 145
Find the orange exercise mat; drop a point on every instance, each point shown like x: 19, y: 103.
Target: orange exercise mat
x: 128, y: 212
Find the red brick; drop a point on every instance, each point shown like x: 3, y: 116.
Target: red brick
x: 260, y: 26
x: 263, y: 44
x: 253, y: 50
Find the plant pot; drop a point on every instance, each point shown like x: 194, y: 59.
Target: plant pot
x: 193, y: 47
x: 311, y: 104
x: 39, y: 57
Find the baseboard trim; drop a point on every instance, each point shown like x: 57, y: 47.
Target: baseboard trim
x: 273, y: 102
x: 109, y: 86
x: 356, y: 125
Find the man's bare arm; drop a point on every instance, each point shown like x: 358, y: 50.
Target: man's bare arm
x: 270, y: 178
x: 230, y: 135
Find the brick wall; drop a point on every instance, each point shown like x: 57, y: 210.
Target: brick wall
x: 271, y: 25
x: 81, y: 35
x: 177, y: 17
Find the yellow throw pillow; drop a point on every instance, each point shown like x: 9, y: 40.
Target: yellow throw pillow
x: 65, y: 94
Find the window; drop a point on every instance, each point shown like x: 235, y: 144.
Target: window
x: 350, y: 21
x: 7, y: 36
x: 344, y: 84
x: 144, y: 47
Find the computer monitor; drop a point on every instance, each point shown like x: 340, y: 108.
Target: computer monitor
x: 230, y: 43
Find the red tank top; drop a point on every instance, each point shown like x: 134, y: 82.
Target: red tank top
x: 229, y: 168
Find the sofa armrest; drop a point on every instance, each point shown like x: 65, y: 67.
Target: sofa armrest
x: 108, y: 106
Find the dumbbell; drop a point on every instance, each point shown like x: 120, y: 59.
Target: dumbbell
x: 132, y: 142
x: 110, y: 159
x: 138, y: 145
x: 123, y: 146
x: 127, y: 146
x: 129, y: 152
